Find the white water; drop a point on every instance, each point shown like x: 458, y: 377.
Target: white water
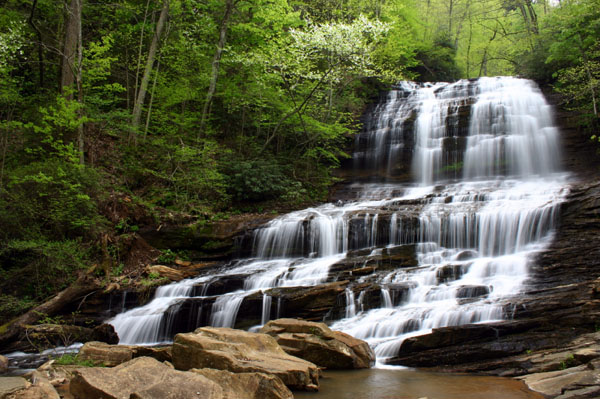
x: 484, y: 199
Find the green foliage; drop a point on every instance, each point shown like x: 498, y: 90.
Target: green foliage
x: 37, y: 268
x: 256, y: 180
x: 437, y: 61
x: 167, y: 256
x: 568, y: 363
x: 11, y: 306
x: 69, y: 359
x: 49, y: 197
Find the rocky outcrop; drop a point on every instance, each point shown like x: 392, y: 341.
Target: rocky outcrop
x: 113, y: 355
x: 215, y: 240
x: 560, y: 303
x: 240, y: 351
x: 310, y: 303
x: 318, y: 344
x: 570, y: 383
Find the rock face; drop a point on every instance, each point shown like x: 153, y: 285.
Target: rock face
x: 574, y: 382
x: 560, y: 303
x: 318, y: 344
x: 240, y: 351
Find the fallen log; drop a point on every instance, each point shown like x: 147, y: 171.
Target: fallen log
x: 85, y: 284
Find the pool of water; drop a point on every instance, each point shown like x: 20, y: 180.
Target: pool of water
x: 412, y: 384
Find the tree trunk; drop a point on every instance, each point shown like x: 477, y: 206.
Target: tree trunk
x: 79, y: 79
x: 141, y: 96
x: 229, y: 6
x: 69, y: 52
x: 40, y: 44
x: 139, y: 60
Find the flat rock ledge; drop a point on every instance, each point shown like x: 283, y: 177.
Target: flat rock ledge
x: 240, y: 351
x: 317, y: 343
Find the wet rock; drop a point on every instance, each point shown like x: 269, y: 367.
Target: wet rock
x: 472, y: 291
x: 165, y: 271
x: 241, y: 351
x: 247, y: 385
x: 449, y: 273
x: 105, y: 333
x: 318, y: 344
x: 309, y: 303
x: 466, y: 255
x: 142, y: 378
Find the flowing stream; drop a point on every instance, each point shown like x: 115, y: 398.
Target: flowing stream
x: 463, y: 176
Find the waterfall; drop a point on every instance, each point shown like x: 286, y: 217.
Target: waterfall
x: 483, y: 198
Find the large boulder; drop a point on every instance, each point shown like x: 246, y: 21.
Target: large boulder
x: 318, y: 344
x: 241, y: 351
x: 113, y: 355
x: 247, y: 385
x: 142, y: 378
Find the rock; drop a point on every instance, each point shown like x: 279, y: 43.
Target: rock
x: 472, y: 291
x: 41, y: 388
x: 318, y: 344
x: 105, y: 354
x: 556, y: 383
x: 3, y: 364
x: 9, y: 385
x: 105, y: 333
x: 165, y: 271
x: 143, y: 378
x: 247, y: 385
x: 113, y: 355
x: 241, y: 351
x: 310, y: 303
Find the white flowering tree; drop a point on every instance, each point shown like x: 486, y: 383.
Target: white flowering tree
x: 317, y: 59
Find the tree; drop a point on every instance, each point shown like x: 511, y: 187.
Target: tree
x: 141, y: 95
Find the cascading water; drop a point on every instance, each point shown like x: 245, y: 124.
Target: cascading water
x: 483, y: 199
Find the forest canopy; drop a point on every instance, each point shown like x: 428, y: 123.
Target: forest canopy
x: 203, y: 108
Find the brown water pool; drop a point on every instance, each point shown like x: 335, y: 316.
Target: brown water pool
x: 412, y: 384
